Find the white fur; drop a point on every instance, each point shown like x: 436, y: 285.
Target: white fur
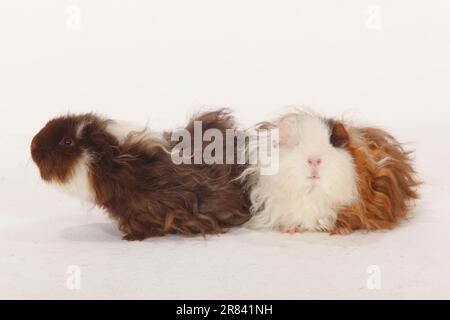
x: 291, y: 199
x: 122, y: 130
x: 78, y: 184
x: 80, y: 129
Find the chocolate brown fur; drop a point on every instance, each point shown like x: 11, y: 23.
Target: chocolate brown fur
x: 139, y: 185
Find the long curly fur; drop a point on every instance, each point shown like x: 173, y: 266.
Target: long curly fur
x: 134, y: 178
x: 159, y: 197
x: 367, y: 180
x: 387, y: 181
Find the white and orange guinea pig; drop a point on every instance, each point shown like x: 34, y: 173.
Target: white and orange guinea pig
x: 332, y: 177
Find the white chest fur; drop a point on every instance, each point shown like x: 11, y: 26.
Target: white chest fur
x: 78, y: 184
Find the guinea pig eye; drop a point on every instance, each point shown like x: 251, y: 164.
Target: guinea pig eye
x: 66, y: 141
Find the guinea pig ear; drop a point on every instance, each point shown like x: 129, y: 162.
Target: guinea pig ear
x: 339, y: 136
x: 288, y: 131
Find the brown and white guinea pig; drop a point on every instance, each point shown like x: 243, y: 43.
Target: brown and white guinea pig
x: 130, y: 173
x: 332, y: 177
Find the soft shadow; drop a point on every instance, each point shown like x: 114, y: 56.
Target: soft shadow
x: 322, y: 239
x: 108, y: 232
x: 94, y: 232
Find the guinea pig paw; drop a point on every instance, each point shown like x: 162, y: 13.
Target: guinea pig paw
x: 130, y: 237
x: 341, y: 231
x: 291, y: 230
x: 325, y: 224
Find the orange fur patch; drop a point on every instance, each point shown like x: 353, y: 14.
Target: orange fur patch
x: 387, y: 182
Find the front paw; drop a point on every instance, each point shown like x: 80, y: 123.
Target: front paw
x: 130, y: 237
x: 326, y: 224
x: 290, y: 230
x: 341, y: 231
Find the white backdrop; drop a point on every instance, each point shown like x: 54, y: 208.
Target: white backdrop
x: 378, y: 62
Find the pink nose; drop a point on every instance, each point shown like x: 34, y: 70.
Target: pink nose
x: 314, y: 161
